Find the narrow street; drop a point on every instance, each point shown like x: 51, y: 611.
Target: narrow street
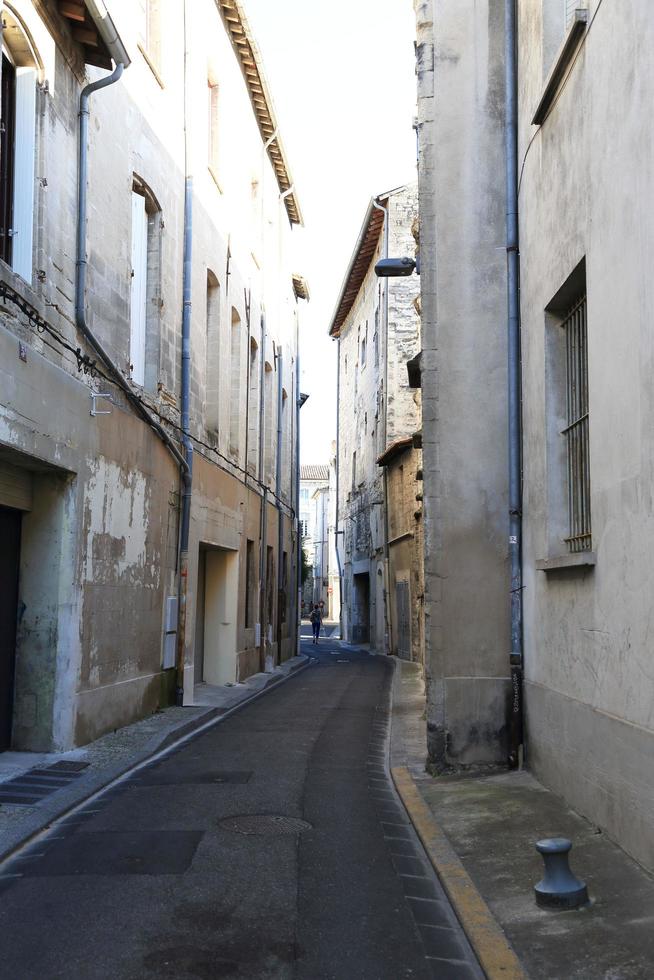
x: 272, y: 846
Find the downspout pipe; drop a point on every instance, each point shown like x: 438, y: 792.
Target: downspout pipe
x: 387, y: 597
x: 263, y: 516
x: 280, y: 513
x: 337, y: 531
x: 514, y: 386
x: 187, y: 474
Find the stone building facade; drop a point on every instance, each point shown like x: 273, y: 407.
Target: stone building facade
x: 586, y: 305
x: 90, y: 444
x: 463, y: 376
x: 313, y: 477
x: 377, y: 327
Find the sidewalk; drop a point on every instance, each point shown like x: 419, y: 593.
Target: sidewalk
x: 493, y: 822
x: 114, y: 754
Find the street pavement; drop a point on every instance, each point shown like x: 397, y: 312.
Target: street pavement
x: 273, y: 845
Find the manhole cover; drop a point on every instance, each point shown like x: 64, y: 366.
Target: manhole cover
x: 264, y: 824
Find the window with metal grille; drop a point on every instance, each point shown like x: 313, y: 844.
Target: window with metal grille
x: 576, y: 430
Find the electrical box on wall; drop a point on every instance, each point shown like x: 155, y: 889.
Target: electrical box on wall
x: 170, y: 633
x: 171, y: 614
x: 170, y: 646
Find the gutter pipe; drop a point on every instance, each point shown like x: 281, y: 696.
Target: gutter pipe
x: 263, y: 519
x: 387, y: 597
x: 337, y: 531
x: 187, y: 474
x: 280, y: 515
x: 516, y: 746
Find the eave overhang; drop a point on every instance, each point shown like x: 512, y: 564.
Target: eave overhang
x: 395, y: 449
x: 359, y: 264
x: 251, y: 65
x: 91, y: 26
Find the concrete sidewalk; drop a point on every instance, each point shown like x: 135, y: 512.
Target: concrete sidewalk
x: 114, y: 754
x: 493, y: 822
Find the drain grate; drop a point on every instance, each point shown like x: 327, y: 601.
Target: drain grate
x: 32, y: 786
x: 264, y: 824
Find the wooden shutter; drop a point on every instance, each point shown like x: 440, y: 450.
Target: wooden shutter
x: 23, y: 210
x: 139, y: 287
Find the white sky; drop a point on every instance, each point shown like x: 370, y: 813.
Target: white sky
x: 341, y: 74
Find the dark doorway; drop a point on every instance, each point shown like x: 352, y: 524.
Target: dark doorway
x: 198, y: 654
x: 361, y: 610
x: 7, y: 131
x: 9, y: 563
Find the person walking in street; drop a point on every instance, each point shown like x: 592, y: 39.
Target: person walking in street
x: 316, y: 621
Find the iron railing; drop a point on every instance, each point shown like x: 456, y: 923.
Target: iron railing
x: 576, y: 431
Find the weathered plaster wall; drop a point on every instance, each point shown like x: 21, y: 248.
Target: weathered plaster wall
x: 586, y: 191
x: 460, y: 126
x: 99, y: 555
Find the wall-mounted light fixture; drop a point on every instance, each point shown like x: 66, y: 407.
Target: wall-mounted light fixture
x: 392, y: 268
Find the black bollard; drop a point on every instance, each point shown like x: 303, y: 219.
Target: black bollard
x: 559, y: 889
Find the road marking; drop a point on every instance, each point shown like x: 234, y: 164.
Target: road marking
x: 497, y: 959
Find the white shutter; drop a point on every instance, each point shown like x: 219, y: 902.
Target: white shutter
x: 23, y: 218
x: 139, y: 284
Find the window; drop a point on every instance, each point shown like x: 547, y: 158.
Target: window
x: 576, y: 429
x: 150, y: 15
x: 567, y: 418
x: 304, y: 527
x: 364, y: 343
x: 354, y: 470
x: 253, y: 407
x: 138, y: 298
x: 212, y: 128
x: 212, y: 373
x: 269, y: 422
x: 145, y: 291
x: 17, y: 161
x: 249, y: 582
x: 235, y: 385
x: 375, y: 337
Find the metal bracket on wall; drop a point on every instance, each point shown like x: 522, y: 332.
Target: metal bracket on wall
x: 94, y: 408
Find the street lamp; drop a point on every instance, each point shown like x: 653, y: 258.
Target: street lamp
x: 392, y: 268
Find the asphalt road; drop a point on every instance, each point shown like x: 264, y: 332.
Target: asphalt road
x: 272, y: 846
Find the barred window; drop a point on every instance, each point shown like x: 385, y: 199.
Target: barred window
x: 576, y: 430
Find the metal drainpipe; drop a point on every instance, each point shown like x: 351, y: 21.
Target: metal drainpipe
x: 280, y: 514
x: 298, y: 556
x: 185, y: 395
x: 263, y: 517
x: 187, y: 477
x: 387, y: 595
x: 337, y: 532
x: 514, y: 371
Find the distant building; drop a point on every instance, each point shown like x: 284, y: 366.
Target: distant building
x: 377, y: 327
x: 314, y: 480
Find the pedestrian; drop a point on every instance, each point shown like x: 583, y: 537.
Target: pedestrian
x: 316, y: 621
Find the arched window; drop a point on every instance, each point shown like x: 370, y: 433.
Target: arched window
x: 235, y: 385
x: 145, y: 287
x: 253, y: 407
x: 212, y: 369
x: 21, y: 69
